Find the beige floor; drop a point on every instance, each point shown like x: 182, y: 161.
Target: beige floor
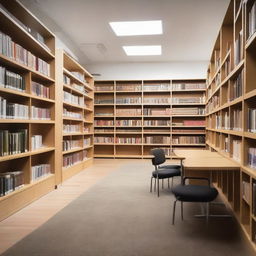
x: 31, y: 217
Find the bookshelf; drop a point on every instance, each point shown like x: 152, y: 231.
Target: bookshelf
x: 230, y: 109
x: 132, y: 117
x: 27, y: 109
x: 75, y: 121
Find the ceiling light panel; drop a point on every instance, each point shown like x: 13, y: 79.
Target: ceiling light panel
x: 137, y: 28
x: 143, y: 50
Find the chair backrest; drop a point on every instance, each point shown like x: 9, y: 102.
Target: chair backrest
x: 159, y: 156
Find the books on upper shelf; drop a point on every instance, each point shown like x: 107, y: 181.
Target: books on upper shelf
x: 187, y: 123
x: 73, y: 99
x: 13, y: 110
x: 225, y: 121
x: 236, y: 120
x: 11, y: 80
x: 78, y: 75
x: 130, y: 100
x: 162, y: 100
x: 36, y: 142
x: 238, y: 54
x: 187, y: 111
x: 16, y: 52
x: 13, y: 142
x: 71, y: 128
x: 226, y: 144
x: 101, y: 139
x: 103, y: 122
x: 127, y: 87
x: 128, y: 122
x: 157, y: 139
x: 74, y: 158
x: 70, y: 144
x: 246, y: 191
x: 252, y: 157
x: 227, y: 67
x: 40, y: 90
x: 104, y: 101
x: 99, y: 88
x: 10, y: 181
x: 156, y: 87
x: 217, y: 79
x: 188, y: 86
x: 157, y: 122
x: 67, y: 113
x: 39, y: 171
x: 128, y: 112
x: 252, y: 20
x: 66, y: 79
x: 254, y: 198
x: 237, y: 150
x: 188, y: 140
x: 187, y: 100
x: 40, y: 113
x: 156, y: 111
x: 213, y: 103
x: 236, y: 89
x: 128, y: 140
x: 251, y: 123
x: 87, y: 141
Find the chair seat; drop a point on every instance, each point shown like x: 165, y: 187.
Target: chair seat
x: 166, y: 173
x: 171, y: 166
x: 195, y: 193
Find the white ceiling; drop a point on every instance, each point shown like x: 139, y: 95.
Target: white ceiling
x: 190, y: 27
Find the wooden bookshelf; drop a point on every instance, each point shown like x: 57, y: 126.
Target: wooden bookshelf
x: 230, y: 114
x: 75, y: 119
x: 27, y: 90
x: 132, y: 117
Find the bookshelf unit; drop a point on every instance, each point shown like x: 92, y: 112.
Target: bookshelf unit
x: 27, y: 109
x: 132, y: 117
x: 75, y: 121
x: 231, y: 121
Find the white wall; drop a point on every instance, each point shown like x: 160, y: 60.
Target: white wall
x: 149, y: 71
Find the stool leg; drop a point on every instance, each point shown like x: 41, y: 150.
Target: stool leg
x: 151, y: 184
x: 173, y: 211
x: 181, y: 205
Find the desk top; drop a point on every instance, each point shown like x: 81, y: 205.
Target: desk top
x: 206, y: 160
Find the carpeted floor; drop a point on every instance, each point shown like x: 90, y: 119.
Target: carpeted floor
x: 119, y: 217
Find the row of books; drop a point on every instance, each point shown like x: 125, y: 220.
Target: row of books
x: 188, y: 123
x: 131, y: 100
x: 99, y: 88
x: 129, y: 122
x: 71, y: 128
x: 103, y: 122
x: 222, y: 121
x: 10, y: 110
x: 213, y: 103
x: 246, y: 191
x: 11, y: 80
x: 236, y: 150
x: 188, y: 86
x: 74, y: 158
x: 236, y: 120
x: 252, y: 120
x: 188, y: 140
x: 40, y: 90
x: 190, y: 131
x: 39, y: 171
x: 157, y: 139
x: 186, y: 100
x: 87, y: 141
x: 236, y: 89
x: 13, y: 142
x: 66, y: 79
x: 36, y: 142
x: 101, y: 139
x: 238, y: 54
x: 156, y: 111
x: 79, y: 76
x: 128, y: 112
x: 128, y: 140
x: 72, y: 114
x: 16, y: 52
x: 73, y: 99
x: 217, y: 80
x: 70, y: 144
x: 102, y: 130
x: 157, y: 122
x: 156, y: 87
x: 226, y: 144
x: 160, y: 100
x: 187, y: 111
x: 10, y: 181
x: 227, y: 67
x: 252, y: 157
x: 40, y: 113
x: 103, y: 101
x: 252, y: 20
x: 129, y: 87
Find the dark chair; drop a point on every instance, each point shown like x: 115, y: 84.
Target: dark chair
x: 162, y: 172
x: 194, y: 193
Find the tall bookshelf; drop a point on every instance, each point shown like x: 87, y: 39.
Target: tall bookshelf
x: 231, y: 104
x: 75, y: 119
x: 27, y: 109
x: 132, y: 117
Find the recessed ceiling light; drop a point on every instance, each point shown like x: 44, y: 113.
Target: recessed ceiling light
x: 136, y: 28
x: 143, y: 50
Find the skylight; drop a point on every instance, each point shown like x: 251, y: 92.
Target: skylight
x: 137, y: 28
x: 143, y: 50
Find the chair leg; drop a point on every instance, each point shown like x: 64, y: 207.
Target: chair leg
x: 157, y: 187
x: 154, y: 184
x: 181, y: 206
x: 168, y: 183
x: 207, y: 212
x: 172, y: 181
x: 162, y: 183
x: 151, y: 184
x: 173, y: 211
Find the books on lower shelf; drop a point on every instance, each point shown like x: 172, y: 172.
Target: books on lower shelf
x: 87, y: 141
x: 226, y: 145
x: 128, y: 140
x: 128, y: 122
x: 40, y: 113
x: 156, y: 111
x: 251, y: 123
x: 70, y: 144
x: 236, y: 90
x: 252, y: 157
x: 128, y: 112
x: 66, y: 79
x: 73, y: 99
x: 237, y: 150
x: 236, y: 120
x: 151, y: 100
x: 187, y: 111
x: 10, y: 181
x: 13, y: 110
x: 252, y: 20
x: 238, y: 51
x: 187, y: 123
x: 127, y: 87
x: 213, y: 103
x: 71, y: 128
x: 16, y: 52
x: 103, y: 122
x: 39, y: 171
x: 36, y: 142
x: 103, y: 101
x: 246, y: 191
x: 11, y: 80
x: 188, y: 140
x: 130, y: 100
x: 156, y: 87
x: 67, y: 113
x: 104, y: 87
x: 187, y: 100
x: 188, y: 86
x: 13, y: 142
x: 103, y: 139
x: 157, y: 139
x: 74, y: 158
x: 157, y: 122
x: 40, y: 90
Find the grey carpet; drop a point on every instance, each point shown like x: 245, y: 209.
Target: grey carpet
x: 119, y: 217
